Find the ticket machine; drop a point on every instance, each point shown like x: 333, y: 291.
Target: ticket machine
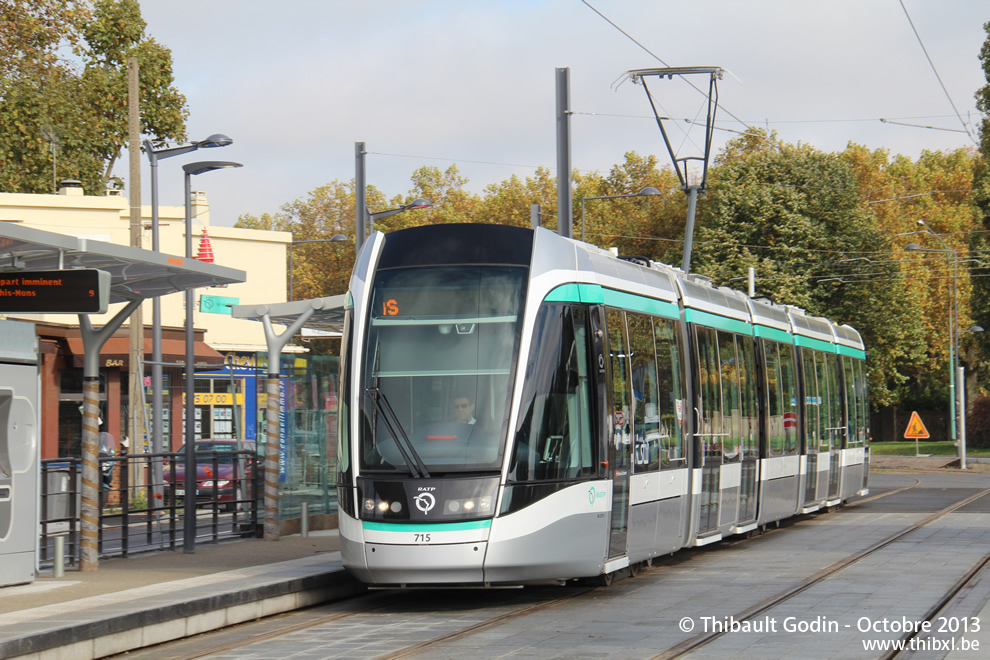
x: 19, y: 452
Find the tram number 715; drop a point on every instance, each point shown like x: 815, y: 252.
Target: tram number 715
x: 421, y: 538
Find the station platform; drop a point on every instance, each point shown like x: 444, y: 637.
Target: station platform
x: 149, y: 599
x: 153, y: 598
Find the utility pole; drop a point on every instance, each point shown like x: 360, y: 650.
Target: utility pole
x: 136, y: 346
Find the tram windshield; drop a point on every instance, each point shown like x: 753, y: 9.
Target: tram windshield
x: 437, y: 368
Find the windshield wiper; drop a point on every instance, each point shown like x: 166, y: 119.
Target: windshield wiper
x: 415, y: 464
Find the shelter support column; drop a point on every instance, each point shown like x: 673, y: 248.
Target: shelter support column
x: 275, y: 343
x: 93, y: 340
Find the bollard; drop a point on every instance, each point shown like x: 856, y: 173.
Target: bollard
x: 58, y: 570
x: 304, y: 519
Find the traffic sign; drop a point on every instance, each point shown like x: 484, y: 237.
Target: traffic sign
x: 80, y: 291
x: 916, y: 428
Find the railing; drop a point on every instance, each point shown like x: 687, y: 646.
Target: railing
x: 141, y: 510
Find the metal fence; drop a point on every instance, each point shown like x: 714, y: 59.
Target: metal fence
x: 142, y: 510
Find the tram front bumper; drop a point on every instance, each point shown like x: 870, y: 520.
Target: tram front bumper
x: 461, y: 563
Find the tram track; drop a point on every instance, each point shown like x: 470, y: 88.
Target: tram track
x: 765, y: 605
x: 394, y: 607
x: 397, y: 602
x: 943, y: 603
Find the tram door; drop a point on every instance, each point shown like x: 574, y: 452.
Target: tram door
x: 620, y: 440
x: 710, y: 435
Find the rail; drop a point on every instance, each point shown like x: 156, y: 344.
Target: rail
x: 142, y: 510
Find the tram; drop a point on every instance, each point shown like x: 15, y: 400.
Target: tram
x: 519, y: 407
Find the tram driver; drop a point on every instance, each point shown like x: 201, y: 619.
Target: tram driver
x: 463, y: 404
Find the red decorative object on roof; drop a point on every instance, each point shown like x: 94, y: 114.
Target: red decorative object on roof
x: 205, y: 253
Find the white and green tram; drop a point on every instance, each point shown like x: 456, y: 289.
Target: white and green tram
x: 520, y: 407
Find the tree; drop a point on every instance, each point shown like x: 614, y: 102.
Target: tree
x: 649, y: 226
x: 978, y: 242
x: 68, y: 119
x: 31, y: 31
x: 795, y: 214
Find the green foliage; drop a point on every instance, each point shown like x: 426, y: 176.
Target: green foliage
x: 68, y: 119
x: 795, y: 215
x: 978, y: 242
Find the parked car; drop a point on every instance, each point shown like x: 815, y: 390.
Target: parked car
x: 223, y: 474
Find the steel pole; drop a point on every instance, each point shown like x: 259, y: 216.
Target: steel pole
x: 360, y: 199
x: 189, y: 498
x: 158, y: 418
x: 692, y: 192
x: 961, y: 376
x: 565, y: 212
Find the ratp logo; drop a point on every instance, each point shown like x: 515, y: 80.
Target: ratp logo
x: 594, y: 495
x: 425, y: 502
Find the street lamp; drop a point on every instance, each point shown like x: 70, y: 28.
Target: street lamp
x: 189, y: 500
x: 645, y: 192
x: 953, y: 315
x: 416, y: 204
x: 336, y: 238
x: 154, y: 155
x: 364, y: 221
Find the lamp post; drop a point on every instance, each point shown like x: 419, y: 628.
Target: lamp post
x: 645, y: 192
x: 336, y: 238
x: 189, y: 499
x: 154, y: 155
x: 364, y: 221
x: 950, y: 261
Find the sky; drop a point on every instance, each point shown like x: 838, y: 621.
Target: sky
x: 471, y: 83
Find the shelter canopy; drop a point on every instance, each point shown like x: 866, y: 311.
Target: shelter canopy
x: 135, y: 273
x: 327, y: 312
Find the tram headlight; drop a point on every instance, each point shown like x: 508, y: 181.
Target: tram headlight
x: 369, y: 505
x: 481, y: 504
x: 383, y: 506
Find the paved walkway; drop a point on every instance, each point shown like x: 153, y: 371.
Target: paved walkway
x: 136, y: 602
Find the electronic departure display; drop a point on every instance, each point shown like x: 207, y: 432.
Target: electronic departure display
x: 84, y: 291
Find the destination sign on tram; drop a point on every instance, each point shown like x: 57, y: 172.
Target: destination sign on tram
x: 82, y: 291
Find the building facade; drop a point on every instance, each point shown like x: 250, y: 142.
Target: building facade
x: 231, y: 355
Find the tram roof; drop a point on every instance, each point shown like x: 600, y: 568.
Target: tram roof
x: 135, y: 273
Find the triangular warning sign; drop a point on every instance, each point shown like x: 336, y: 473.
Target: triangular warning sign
x: 916, y: 428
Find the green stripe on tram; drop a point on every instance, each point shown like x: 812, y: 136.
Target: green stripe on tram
x: 433, y: 527
x: 718, y: 322
x: 851, y: 352
x: 765, y: 332
x: 596, y: 294
x: 817, y: 344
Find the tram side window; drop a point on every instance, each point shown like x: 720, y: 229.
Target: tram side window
x: 670, y: 377
x: 646, y: 398
x: 732, y: 413
x: 709, y: 385
x: 855, y: 401
x: 749, y: 397
x: 864, y: 401
x: 788, y: 381
x: 832, y: 364
x: 554, y: 440
x: 781, y: 398
x: 812, y: 400
x: 621, y: 401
